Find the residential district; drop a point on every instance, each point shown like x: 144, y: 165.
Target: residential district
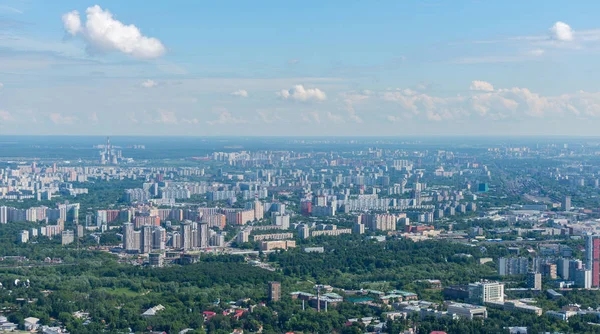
x: 303, y: 236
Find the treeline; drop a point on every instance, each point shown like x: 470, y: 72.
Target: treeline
x: 346, y: 263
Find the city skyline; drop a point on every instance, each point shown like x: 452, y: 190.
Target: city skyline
x: 402, y: 69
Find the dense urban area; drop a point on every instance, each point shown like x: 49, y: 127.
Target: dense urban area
x: 299, y: 235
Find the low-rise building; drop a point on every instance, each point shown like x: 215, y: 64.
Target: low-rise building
x: 467, y: 311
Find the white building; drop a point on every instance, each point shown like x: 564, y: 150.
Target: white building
x: 483, y: 292
x: 467, y: 311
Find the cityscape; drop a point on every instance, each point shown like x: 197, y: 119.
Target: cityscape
x: 314, y: 167
x: 379, y: 235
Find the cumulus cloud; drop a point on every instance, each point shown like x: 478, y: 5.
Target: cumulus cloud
x: 60, y: 119
x: 240, y: 93
x: 561, y: 31
x: 311, y: 117
x: 335, y: 118
x: 72, y: 22
x: 103, y: 33
x: 516, y: 103
x: 225, y: 117
x: 352, y: 99
x: 481, y: 85
x: 149, y: 83
x: 268, y: 116
x: 299, y: 93
x: 166, y: 117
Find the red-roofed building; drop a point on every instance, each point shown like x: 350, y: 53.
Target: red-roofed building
x: 208, y: 314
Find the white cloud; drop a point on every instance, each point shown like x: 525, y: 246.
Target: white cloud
x: 268, y: 116
x: 10, y: 10
x: 481, y: 85
x: 240, y: 93
x: 59, y: 119
x: 103, y: 33
x: 311, y: 117
x: 335, y: 118
x: 299, y: 93
x: 166, y: 117
x: 535, y: 52
x: 225, y: 117
x: 561, y: 31
x: 352, y: 99
x: 6, y: 116
x: 93, y: 117
x: 293, y: 61
x: 149, y: 83
x: 1, y: 85
x: 190, y: 121
x: 132, y: 118
x: 515, y: 103
x: 72, y: 22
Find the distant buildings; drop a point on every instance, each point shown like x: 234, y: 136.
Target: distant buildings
x: 467, y: 311
x: 592, y: 258
x: 24, y: 236
x: 566, y: 204
x: 380, y: 222
x: 281, y: 244
x: 483, y: 292
x: 534, y: 281
x: 274, y: 291
x: 67, y: 237
x: 513, y: 266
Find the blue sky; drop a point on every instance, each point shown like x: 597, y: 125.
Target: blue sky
x: 299, y: 68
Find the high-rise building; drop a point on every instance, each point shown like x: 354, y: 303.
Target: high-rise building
x: 303, y: 231
x: 3, y: 214
x: 137, y: 240
x: 146, y: 239
x: 24, y: 236
x: 159, y: 236
x: 358, y: 228
x: 282, y: 220
x: 203, y: 235
x: 534, y: 281
x: 583, y: 278
x: 566, y: 204
x: 562, y: 268
x: 215, y: 220
x: 186, y: 235
x: 242, y: 237
x: 592, y: 257
x: 549, y: 270
x: 128, y: 237
x: 259, y: 211
x: 274, y: 291
x: 67, y: 237
x: 380, y: 222
x: 574, y: 265
x: 483, y: 292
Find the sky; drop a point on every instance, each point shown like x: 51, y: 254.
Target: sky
x: 310, y: 68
